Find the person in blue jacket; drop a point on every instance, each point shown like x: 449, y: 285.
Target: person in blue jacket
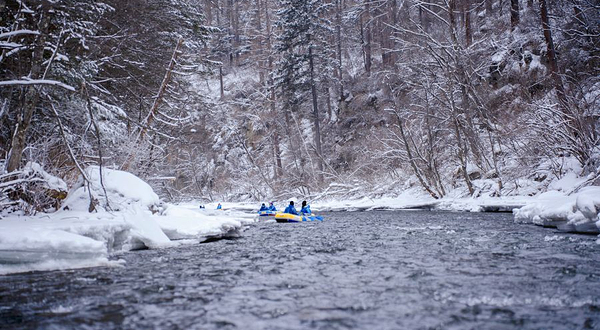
x: 272, y: 207
x: 291, y: 209
x: 305, y: 208
x: 219, y: 207
x: 263, y: 207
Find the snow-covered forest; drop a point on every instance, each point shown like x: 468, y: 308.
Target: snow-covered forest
x: 248, y: 100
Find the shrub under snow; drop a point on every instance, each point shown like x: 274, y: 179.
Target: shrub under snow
x: 114, y: 191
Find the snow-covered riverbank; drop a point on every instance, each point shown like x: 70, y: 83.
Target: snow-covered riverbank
x: 135, y: 218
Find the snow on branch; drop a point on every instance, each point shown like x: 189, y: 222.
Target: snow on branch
x: 17, y: 33
x: 24, y: 8
x: 37, y: 82
x: 218, y: 63
x: 9, y: 45
x: 19, y: 181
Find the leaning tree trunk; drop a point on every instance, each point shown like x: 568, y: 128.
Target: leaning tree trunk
x: 161, y: 92
x: 462, y: 156
x: 411, y: 159
x: 154, y: 109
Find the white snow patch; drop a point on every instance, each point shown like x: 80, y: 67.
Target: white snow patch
x: 567, y: 182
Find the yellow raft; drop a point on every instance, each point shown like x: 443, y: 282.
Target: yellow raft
x: 287, y: 217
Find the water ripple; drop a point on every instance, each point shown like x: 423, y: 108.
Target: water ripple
x: 368, y: 270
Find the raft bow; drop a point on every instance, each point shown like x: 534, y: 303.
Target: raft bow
x: 287, y: 217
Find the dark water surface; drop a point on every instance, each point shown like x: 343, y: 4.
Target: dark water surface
x: 370, y: 270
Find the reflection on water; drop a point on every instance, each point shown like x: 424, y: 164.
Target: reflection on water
x: 369, y: 270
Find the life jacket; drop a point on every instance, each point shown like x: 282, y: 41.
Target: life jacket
x: 306, y: 210
x: 291, y: 210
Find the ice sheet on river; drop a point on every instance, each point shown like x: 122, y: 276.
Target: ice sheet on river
x: 73, y: 237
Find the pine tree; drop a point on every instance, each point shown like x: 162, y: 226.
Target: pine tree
x: 305, y: 51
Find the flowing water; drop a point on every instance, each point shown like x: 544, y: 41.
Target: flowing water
x: 369, y: 270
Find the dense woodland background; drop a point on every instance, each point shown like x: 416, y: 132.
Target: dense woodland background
x: 257, y: 99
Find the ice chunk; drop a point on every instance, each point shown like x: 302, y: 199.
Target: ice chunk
x: 180, y: 222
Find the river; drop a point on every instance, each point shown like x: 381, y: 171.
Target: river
x: 361, y: 270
